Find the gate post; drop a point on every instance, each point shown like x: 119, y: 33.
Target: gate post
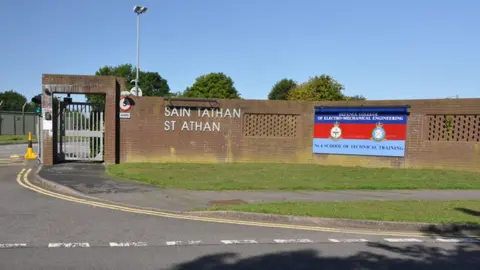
x: 47, y: 124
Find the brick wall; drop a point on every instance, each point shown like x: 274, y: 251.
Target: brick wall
x: 281, y: 131
x: 77, y: 84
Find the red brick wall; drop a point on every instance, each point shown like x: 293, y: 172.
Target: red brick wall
x: 78, y: 84
x: 281, y: 131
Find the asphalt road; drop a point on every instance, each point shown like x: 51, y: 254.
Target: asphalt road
x: 40, y: 232
x: 243, y: 257
x: 7, y: 150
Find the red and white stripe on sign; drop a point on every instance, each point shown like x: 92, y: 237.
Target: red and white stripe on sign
x: 125, y: 105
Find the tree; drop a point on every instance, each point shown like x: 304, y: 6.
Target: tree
x: 356, y: 97
x: 151, y: 83
x: 281, y: 89
x: 213, y: 85
x: 14, y: 101
x: 318, y: 88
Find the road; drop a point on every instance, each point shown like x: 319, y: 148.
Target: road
x: 41, y: 232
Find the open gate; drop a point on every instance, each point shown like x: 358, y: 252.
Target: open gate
x: 79, y: 131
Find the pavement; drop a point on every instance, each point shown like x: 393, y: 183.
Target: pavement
x: 44, y: 230
x: 92, y: 180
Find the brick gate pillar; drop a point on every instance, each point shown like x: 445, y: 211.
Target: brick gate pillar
x: 110, y: 86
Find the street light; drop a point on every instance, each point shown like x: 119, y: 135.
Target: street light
x: 139, y: 10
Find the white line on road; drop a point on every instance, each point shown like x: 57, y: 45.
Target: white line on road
x: 355, y: 240
x: 229, y: 242
x: 128, y: 244
x: 334, y: 240
x: 68, y: 245
x: 292, y: 241
x: 402, y: 240
x: 457, y: 240
x: 182, y: 243
x: 13, y: 245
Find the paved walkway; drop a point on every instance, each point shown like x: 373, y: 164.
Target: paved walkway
x: 91, y: 179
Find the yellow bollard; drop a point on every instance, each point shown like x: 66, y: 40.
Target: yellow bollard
x: 30, y: 154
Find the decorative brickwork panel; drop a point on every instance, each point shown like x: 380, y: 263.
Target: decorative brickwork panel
x: 270, y: 125
x: 463, y: 128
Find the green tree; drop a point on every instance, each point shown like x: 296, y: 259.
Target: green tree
x: 356, y: 97
x: 317, y: 88
x: 213, y: 85
x: 151, y: 83
x: 14, y: 101
x: 281, y: 89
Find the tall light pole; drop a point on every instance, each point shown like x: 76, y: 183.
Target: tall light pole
x: 139, y: 10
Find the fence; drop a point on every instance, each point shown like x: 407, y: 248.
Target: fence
x: 18, y: 123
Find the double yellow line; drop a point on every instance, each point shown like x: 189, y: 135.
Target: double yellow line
x: 22, y: 179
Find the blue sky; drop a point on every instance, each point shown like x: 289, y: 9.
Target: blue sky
x: 381, y: 49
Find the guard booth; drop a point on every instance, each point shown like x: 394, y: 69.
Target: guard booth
x: 78, y: 131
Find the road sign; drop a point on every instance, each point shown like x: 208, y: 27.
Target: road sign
x: 125, y: 115
x: 133, y: 91
x: 125, y: 105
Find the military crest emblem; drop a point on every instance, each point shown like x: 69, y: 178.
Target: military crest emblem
x: 378, y: 133
x: 336, y: 132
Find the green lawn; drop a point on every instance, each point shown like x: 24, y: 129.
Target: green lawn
x: 15, y: 139
x: 256, y: 176
x: 414, y: 211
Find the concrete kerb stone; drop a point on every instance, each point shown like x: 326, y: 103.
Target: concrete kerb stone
x: 6, y: 143
x: 339, y: 222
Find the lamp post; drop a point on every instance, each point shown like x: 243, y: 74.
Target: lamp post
x: 138, y: 10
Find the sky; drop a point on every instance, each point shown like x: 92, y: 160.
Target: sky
x: 409, y: 49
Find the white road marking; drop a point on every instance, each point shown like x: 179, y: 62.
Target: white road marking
x: 292, y: 241
x: 354, y: 240
x: 360, y: 240
x: 68, y: 245
x: 12, y: 245
x: 334, y: 240
x: 457, y: 240
x: 229, y: 242
x: 128, y: 244
x: 179, y: 243
x: 400, y: 240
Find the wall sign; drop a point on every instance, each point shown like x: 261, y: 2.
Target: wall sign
x: 369, y: 131
x: 125, y: 104
x: 124, y: 115
x: 197, y: 120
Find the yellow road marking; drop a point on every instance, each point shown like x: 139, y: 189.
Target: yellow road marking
x: 27, y: 184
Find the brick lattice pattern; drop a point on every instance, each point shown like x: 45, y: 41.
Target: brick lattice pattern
x: 270, y: 125
x: 463, y: 128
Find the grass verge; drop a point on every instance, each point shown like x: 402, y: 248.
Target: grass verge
x: 256, y: 176
x: 413, y: 211
x: 12, y: 139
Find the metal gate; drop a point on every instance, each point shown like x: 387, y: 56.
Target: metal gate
x: 80, y: 129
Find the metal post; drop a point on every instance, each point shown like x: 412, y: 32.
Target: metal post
x: 138, y: 51
x: 23, y: 117
x: 37, y: 131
